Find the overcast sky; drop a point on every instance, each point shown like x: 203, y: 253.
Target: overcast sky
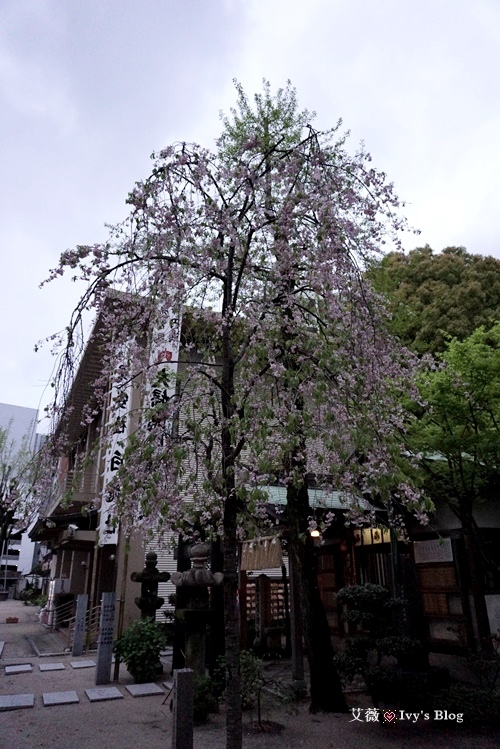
x: 90, y: 88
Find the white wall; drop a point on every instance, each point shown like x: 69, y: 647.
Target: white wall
x: 21, y: 423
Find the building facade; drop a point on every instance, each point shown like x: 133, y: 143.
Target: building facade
x: 88, y: 554
x: 18, y: 553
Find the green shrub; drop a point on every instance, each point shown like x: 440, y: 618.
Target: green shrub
x: 139, y: 648
x: 486, y: 666
x: 252, y: 680
x: 254, y: 685
x: 31, y: 596
x: 205, y: 699
x: 478, y: 705
x: 370, y: 609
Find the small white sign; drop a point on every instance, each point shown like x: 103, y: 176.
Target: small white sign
x: 58, y: 586
x: 427, y: 552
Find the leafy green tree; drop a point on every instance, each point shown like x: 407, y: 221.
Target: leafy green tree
x: 458, y: 438
x: 458, y: 433
x: 433, y: 297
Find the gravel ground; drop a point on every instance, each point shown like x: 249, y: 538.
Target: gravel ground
x: 140, y: 722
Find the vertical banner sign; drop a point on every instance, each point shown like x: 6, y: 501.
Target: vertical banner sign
x: 119, y: 423
x: 164, y: 359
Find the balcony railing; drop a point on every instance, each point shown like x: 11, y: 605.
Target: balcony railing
x: 77, y: 486
x: 81, y: 486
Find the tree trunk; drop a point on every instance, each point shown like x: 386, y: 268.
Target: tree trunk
x: 474, y: 578
x: 217, y: 641
x: 232, y: 630
x: 476, y: 591
x: 234, y: 738
x: 325, y: 685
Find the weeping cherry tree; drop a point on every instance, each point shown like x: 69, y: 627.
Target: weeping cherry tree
x: 246, y: 262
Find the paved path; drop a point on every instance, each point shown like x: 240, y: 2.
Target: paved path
x: 128, y: 722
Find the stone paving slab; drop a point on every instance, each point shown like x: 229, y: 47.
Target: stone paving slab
x: 82, y: 664
x: 99, y: 694
x: 143, y: 690
x: 60, y: 698
x: 51, y: 666
x: 21, y: 668
x: 16, y: 701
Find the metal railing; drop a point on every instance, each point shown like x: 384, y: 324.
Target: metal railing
x: 55, y: 617
x: 92, y: 621
x: 82, y: 485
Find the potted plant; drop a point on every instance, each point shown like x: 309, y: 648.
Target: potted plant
x: 139, y: 648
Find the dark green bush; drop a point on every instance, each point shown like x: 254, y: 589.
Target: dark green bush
x: 252, y: 680
x: 139, y: 648
x: 486, y: 666
x: 370, y: 609
x: 205, y: 699
x: 254, y: 685
x: 478, y: 705
x: 32, y: 596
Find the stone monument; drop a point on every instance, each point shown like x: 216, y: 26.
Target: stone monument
x: 196, y: 615
x: 149, y: 601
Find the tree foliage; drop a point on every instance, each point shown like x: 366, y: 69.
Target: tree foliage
x: 435, y: 297
x: 253, y: 253
x: 458, y: 434
x: 260, y: 244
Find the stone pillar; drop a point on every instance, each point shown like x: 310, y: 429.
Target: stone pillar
x: 182, y: 728
x: 80, y: 624
x: 105, y: 645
